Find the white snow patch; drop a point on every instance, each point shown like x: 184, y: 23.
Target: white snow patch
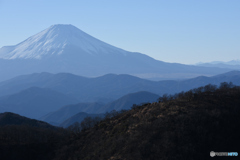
x: 53, y: 40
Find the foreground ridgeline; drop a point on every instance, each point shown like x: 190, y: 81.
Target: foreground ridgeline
x: 23, y: 138
x: 188, y: 125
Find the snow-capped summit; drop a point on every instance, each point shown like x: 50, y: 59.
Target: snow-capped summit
x: 65, y: 48
x: 54, y: 40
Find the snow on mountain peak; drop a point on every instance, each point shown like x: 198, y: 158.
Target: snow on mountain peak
x: 53, y: 41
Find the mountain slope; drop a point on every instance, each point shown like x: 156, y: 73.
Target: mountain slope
x: 34, y: 102
x: 53, y: 41
x: 65, y: 48
x: 23, y: 138
x: 187, y: 127
x: 127, y: 101
x: 232, y: 62
x: 180, y: 129
x: 90, y: 109
x: 64, y: 82
x: 79, y: 117
x: 221, y: 65
x: 9, y: 118
x: 68, y: 111
x: 108, y: 87
x: 84, y: 89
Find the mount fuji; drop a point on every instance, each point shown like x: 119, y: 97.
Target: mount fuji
x: 65, y: 48
x: 55, y: 41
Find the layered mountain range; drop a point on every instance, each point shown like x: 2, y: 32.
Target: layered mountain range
x: 62, y: 76
x: 64, y: 95
x: 65, y: 48
x: 108, y: 87
x: 182, y: 128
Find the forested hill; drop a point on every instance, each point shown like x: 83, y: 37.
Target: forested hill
x: 185, y: 126
x: 23, y: 138
x: 9, y: 118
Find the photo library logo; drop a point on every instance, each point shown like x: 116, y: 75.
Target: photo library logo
x: 212, y: 153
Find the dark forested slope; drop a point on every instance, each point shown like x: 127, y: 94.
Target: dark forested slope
x: 9, y: 118
x: 22, y: 138
x: 180, y: 127
x: 185, y: 126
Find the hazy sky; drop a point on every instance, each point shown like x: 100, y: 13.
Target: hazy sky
x: 183, y: 31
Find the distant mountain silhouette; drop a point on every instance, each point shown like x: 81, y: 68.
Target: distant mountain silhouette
x: 231, y: 74
x: 109, y: 87
x: 62, y: 114
x: 221, y: 65
x: 87, y: 109
x: 35, y: 102
x: 232, y: 62
x: 65, y: 48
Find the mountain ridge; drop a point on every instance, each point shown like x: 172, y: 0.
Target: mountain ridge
x: 66, y: 112
x: 185, y: 127
x: 8, y: 118
x: 110, y: 86
x: 65, y: 48
x: 52, y: 41
x: 34, y: 102
x: 123, y: 103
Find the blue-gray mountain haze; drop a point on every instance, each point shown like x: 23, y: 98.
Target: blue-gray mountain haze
x: 37, y: 94
x: 65, y: 48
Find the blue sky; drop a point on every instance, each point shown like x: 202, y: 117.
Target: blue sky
x: 183, y: 31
